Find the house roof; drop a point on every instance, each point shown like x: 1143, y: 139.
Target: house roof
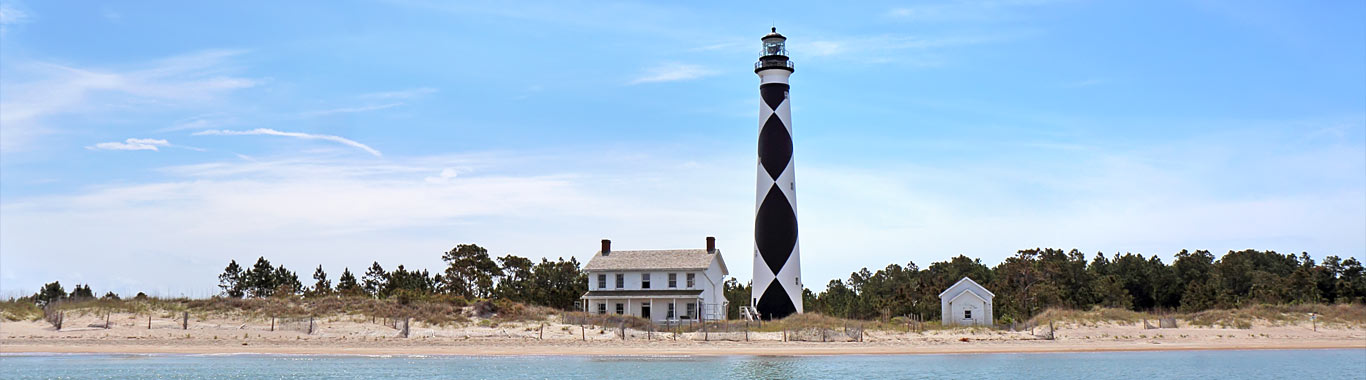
x: 659, y: 259
x: 969, y: 282
x: 644, y: 293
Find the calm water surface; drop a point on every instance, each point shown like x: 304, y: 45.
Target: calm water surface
x: 1288, y: 364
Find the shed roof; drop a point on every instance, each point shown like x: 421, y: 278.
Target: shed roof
x: 969, y: 282
x: 657, y: 259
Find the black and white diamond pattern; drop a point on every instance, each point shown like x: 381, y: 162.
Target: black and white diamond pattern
x: 777, y: 269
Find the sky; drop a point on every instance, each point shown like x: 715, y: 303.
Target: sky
x: 143, y: 145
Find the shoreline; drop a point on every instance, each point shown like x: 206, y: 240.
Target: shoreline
x: 644, y: 350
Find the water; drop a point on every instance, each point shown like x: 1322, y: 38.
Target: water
x: 1284, y: 364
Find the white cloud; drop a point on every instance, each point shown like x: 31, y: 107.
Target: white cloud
x: 1154, y: 198
x: 445, y: 176
x: 304, y: 212
x: 131, y: 144
x: 673, y: 72
x: 301, y: 135
x: 36, y: 91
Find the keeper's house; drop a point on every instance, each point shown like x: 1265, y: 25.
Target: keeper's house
x: 662, y: 285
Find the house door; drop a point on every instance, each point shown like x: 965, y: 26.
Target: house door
x: 645, y: 311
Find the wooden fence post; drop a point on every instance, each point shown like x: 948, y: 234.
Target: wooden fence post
x: 622, y: 327
x: 272, y: 323
x: 310, y: 325
x: 149, y: 321
x: 542, y: 332
x: 583, y: 332
x: 106, y: 320
x: 185, y: 320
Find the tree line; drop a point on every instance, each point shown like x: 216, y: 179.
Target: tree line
x: 1027, y: 283
x: 55, y: 292
x: 470, y: 274
x: 1037, y: 279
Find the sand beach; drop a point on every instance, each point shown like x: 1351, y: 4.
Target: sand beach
x: 356, y: 335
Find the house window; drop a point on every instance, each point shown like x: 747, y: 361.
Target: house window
x: 671, y: 311
x: 602, y: 308
x: 602, y: 281
x: 644, y: 280
x: 967, y: 314
x: 691, y: 277
x: 692, y: 311
x: 621, y: 281
x: 621, y: 309
x: 673, y: 280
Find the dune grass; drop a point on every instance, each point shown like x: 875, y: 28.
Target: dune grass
x: 1243, y: 318
x: 455, y: 310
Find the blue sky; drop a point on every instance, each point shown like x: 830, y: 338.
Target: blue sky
x: 144, y: 144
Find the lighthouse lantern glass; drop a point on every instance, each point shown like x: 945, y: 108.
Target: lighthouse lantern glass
x: 774, y: 47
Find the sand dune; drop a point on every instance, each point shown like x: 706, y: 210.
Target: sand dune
x: 129, y: 333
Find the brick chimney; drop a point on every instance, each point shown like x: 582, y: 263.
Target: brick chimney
x: 606, y: 247
x: 711, y: 244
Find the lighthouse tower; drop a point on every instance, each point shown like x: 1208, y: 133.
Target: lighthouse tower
x: 777, y: 286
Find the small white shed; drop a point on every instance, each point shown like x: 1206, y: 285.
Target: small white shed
x: 966, y: 303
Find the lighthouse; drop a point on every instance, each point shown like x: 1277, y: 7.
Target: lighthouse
x: 777, y: 286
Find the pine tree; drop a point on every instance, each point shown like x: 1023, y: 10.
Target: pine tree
x: 50, y: 292
x: 287, y: 282
x: 470, y: 272
x: 347, y: 285
x: 260, y: 279
x: 231, y: 281
x: 321, y: 285
x: 82, y: 292
x: 376, y: 280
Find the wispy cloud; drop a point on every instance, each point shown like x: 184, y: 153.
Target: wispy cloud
x: 291, y: 209
x: 964, y: 10
x: 9, y: 15
x: 300, y: 135
x: 131, y: 144
x: 917, y: 50
x: 367, y: 108
x: 36, y: 91
x: 401, y: 94
x: 201, y: 122
x: 673, y: 72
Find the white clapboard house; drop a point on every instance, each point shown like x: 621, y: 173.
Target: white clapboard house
x: 966, y: 303
x: 661, y: 285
